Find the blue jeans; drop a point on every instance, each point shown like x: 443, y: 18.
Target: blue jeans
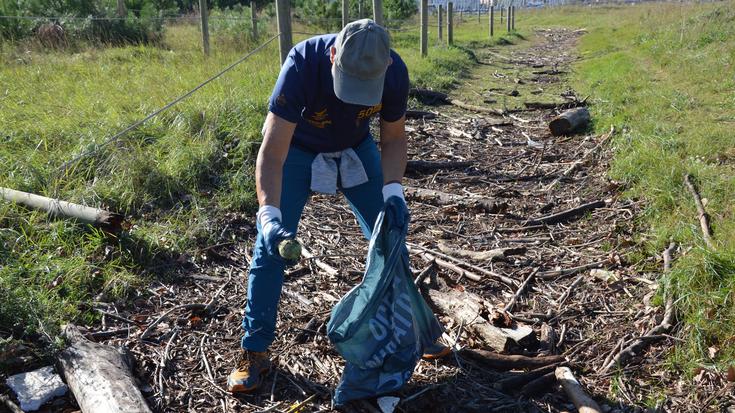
x: 266, y: 274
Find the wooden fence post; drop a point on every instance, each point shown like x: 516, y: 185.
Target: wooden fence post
x: 345, y: 12
x: 424, y: 28
x: 513, y: 20
x: 501, y: 13
x: 378, y: 12
x: 285, y: 40
x: 492, y: 19
x: 254, y: 18
x: 507, y: 20
x: 450, y: 28
x: 441, y: 28
x: 205, y: 25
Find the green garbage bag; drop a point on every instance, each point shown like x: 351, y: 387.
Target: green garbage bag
x: 383, y: 324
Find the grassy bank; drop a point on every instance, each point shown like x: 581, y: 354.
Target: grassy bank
x: 176, y: 178
x: 663, y: 74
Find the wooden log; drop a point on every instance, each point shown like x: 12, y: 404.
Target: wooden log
x: 475, y: 108
x: 507, y: 362
x: 432, y: 166
x: 496, y: 254
x: 583, y: 402
x: 542, y: 105
x: 100, y: 376
x: 568, y: 214
x: 429, y: 95
x: 470, y: 310
x: 569, y: 121
x: 548, y: 339
x: 515, y: 383
x: 12, y: 407
x: 109, y: 221
x: 701, y: 213
x: 443, y: 198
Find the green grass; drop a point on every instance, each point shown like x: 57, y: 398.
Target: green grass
x: 663, y: 74
x: 174, y: 178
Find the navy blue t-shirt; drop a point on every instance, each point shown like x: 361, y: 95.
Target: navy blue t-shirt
x: 304, y: 94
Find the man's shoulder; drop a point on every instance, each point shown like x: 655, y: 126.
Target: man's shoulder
x: 315, y: 46
x: 397, y: 69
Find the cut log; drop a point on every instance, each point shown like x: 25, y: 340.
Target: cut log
x: 472, y: 311
x: 506, y: 362
x: 431, y: 166
x: 490, y: 255
x: 109, y: 221
x: 567, y: 215
x: 100, y: 376
x: 420, y: 114
x: 569, y: 121
x: 443, y: 198
x: 574, y: 391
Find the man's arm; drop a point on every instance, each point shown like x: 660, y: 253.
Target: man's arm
x: 277, y: 134
x: 393, y: 147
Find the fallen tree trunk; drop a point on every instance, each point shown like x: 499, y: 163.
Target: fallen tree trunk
x: 443, y: 198
x: 490, y: 255
x: 106, y: 220
x: 539, y: 385
x: 566, y: 215
x: 506, y: 362
x: 569, y: 121
x: 469, y: 309
x: 574, y: 391
x: 431, y: 166
x: 100, y: 376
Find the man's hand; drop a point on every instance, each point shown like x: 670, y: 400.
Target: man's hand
x: 273, y: 231
x: 395, y: 190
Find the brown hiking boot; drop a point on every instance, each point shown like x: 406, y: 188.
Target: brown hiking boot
x: 248, y: 374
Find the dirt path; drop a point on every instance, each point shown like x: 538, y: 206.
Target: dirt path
x: 513, y: 160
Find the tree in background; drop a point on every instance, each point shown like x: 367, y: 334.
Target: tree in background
x: 399, y: 9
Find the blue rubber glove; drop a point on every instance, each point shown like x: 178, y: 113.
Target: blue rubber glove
x: 269, y: 218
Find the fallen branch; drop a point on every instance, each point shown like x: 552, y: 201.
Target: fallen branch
x: 480, y: 109
x: 109, y: 221
x: 443, y: 198
x: 431, y: 166
x: 583, y: 402
x: 521, y: 288
x: 539, y: 384
x: 566, y: 215
x: 490, y: 255
x: 655, y: 333
x: 448, y: 266
x: 516, y: 382
x: 701, y: 213
x: 319, y: 263
x: 581, y: 160
x: 542, y: 105
x: 506, y: 362
x: 9, y: 404
x: 414, y: 248
x: 100, y: 376
x: 571, y: 271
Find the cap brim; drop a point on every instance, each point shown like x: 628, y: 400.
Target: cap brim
x: 350, y: 89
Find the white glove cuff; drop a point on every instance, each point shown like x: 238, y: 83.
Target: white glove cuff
x: 268, y: 213
x: 393, y: 189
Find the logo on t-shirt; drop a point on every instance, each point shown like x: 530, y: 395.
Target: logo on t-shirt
x: 319, y: 119
x: 366, y: 113
x: 281, y: 100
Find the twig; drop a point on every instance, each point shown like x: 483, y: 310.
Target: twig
x: 162, y: 365
x: 208, y: 308
x: 702, y: 214
x: 153, y: 325
x: 582, y: 401
x: 566, y: 294
x: 424, y: 273
x: 319, y: 263
x: 204, y: 358
x: 581, y: 160
x: 570, y: 271
x: 566, y: 215
x: 521, y: 288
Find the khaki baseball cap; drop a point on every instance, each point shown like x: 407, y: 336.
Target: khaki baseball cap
x: 362, y: 58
